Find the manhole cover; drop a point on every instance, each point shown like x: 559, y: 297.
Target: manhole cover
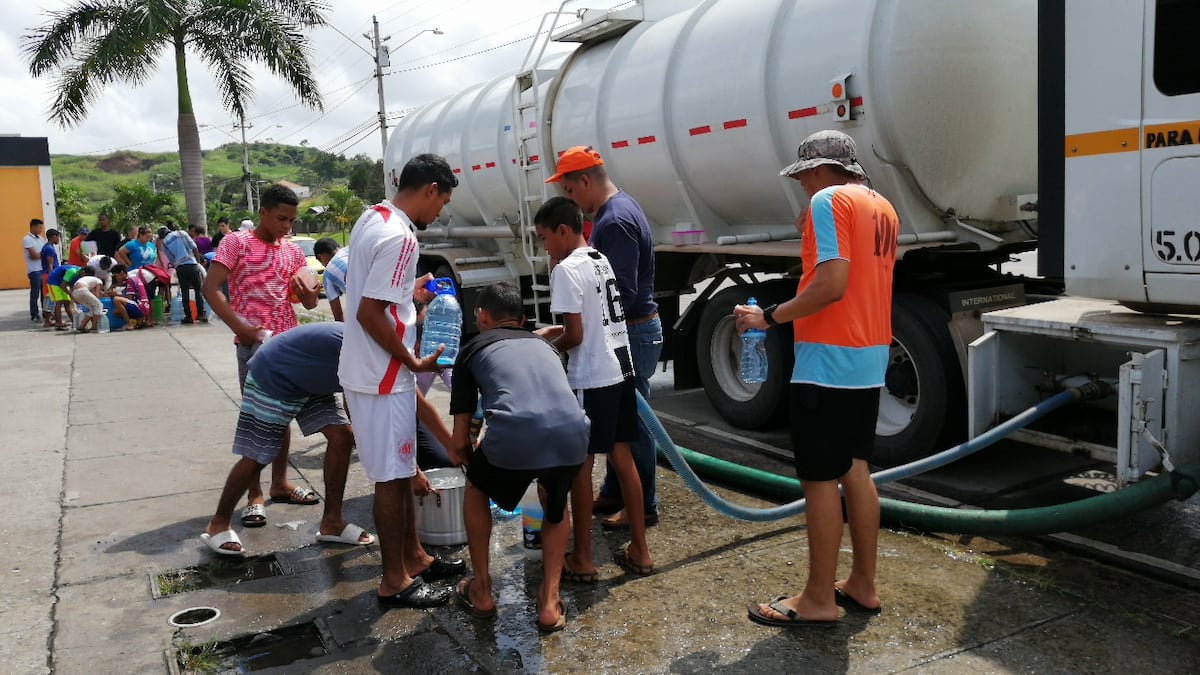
x: 258, y: 651
x: 194, y: 616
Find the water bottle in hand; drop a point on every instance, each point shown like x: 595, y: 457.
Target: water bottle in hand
x: 753, y: 367
x: 443, y: 326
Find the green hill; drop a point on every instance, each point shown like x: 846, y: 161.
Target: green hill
x: 96, y: 176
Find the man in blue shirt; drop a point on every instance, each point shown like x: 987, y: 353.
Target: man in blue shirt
x: 183, y: 253
x: 621, y: 232
x: 334, y: 258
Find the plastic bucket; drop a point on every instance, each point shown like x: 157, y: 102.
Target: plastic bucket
x: 440, y: 516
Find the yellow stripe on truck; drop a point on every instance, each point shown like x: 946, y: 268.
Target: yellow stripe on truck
x: 1169, y: 135
x: 1102, y: 142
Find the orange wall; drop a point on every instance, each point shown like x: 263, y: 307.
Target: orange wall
x: 21, y: 195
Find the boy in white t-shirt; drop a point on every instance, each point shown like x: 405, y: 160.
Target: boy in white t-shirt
x: 584, y: 291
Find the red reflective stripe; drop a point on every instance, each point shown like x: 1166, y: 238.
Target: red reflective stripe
x: 856, y: 101
x: 476, y: 167
x: 620, y: 144
x: 533, y: 158
x: 393, y: 369
x: 803, y: 112
x: 696, y: 131
x: 514, y: 160
x: 490, y: 165
x: 643, y: 140
x: 458, y: 171
x: 734, y: 124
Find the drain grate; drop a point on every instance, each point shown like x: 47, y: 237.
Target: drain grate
x: 215, y: 574
x: 248, y: 653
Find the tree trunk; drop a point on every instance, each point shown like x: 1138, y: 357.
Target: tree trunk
x: 190, y: 158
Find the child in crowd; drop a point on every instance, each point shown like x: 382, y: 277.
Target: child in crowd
x: 584, y: 291
x: 525, y: 395
x: 60, y: 281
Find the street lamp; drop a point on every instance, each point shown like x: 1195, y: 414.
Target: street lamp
x: 383, y: 60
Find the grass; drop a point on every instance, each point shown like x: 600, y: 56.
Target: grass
x: 175, y: 582
x: 197, y: 658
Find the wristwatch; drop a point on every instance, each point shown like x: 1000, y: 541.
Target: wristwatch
x: 769, y: 315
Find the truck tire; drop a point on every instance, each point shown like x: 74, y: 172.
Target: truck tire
x: 718, y: 348
x: 922, y: 408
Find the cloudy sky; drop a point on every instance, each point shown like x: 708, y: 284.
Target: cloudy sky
x: 427, y: 68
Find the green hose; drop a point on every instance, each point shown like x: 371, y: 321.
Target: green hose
x: 1179, y: 484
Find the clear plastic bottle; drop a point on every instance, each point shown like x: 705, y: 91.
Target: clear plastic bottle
x: 753, y: 366
x: 103, y: 321
x: 531, y: 523
x: 176, y: 309
x: 443, y: 326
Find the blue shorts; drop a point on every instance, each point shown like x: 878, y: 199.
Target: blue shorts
x: 263, y: 421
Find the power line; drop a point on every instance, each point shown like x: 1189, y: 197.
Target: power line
x: 330, y: 109
x: 464, y: 56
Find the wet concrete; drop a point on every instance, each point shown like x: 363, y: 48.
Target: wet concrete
x: 110, y: 486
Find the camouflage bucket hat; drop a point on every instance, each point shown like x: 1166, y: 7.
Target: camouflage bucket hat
x: 826, y: 147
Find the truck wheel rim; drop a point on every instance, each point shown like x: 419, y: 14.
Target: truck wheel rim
x: 725, y: 353
x: 897, y: 407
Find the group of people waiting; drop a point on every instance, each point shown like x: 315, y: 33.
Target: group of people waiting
x: 129, y: 272
x: 545, y: 422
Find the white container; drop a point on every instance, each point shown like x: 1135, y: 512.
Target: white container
x: 440, y: 516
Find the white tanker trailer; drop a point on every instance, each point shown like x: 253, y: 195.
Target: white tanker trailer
x: 696, y: 104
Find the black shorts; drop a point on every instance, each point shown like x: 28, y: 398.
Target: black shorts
x: 613, y: 412
x: 507, y: 486
x: 831, y: 428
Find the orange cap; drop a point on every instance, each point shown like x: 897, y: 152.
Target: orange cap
x: 575, y: 159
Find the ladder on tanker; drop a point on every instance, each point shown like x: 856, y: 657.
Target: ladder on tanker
x: 532, y: 163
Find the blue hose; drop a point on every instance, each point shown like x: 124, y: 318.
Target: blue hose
x: 727, y: 508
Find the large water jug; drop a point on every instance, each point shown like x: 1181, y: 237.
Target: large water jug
x: 176, y: 309
x: 103, y: 321
x: 443, y: 324
x: 753, y: 366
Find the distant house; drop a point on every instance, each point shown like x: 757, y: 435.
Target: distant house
x: 302, y: 191
x: 26, y: 191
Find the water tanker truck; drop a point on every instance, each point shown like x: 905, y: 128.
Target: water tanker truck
x: 995, y: 128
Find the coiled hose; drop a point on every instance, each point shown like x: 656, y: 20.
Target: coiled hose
x: 1180, y: 484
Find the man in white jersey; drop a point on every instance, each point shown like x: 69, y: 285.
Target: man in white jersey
x: 377, y: 367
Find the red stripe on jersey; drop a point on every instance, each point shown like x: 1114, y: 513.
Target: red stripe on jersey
x: 393, y: 369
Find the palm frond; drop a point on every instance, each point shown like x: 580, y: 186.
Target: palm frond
x: 53, y: 43
x: 255, y: 31
x: 234, y: 81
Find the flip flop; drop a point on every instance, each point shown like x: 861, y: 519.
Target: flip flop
x: 569, y: 573
x: 418, y: 595
x: 215, y: 542
x: 557, y: 625
x: 843, y: 599
x: 254, y: 515
x: 621, y: 557
x: 793, y: 619
x: 351, y: 534
x: 302, y: 495
x: 463, y: 592
x: 441, y: 568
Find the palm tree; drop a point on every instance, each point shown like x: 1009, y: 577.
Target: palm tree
x: 93, y: 43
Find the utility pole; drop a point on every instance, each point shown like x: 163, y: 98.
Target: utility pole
x: 246, y: 165
x: 382, y: 60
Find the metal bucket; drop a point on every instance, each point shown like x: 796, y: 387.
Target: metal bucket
x: 440, y: 515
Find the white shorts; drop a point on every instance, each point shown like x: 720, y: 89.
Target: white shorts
x: 385, y: 431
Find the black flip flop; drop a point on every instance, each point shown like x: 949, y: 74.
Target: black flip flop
x: 557, y: 625
x: 793, y: 619
x: 418, y: 595
x: 442, y: 569
x: 843, y: 599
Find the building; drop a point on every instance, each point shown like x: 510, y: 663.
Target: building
x: 27, y: 192
x: 302, y: 191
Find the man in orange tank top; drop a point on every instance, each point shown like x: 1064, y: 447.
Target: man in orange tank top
x: 841, y: 318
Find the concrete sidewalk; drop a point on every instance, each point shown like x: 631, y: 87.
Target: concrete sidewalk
x: 117, y: 447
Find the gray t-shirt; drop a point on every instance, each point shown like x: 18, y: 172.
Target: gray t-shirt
x: 534, y: 420
x: 300, y: 363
